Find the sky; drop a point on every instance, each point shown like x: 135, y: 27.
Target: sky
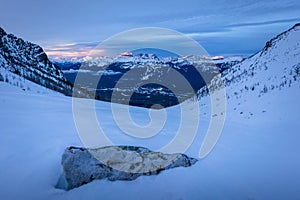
x: 72, y: 28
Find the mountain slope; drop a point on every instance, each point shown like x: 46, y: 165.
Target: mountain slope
x: 274, y: 68
x: 30, y: 61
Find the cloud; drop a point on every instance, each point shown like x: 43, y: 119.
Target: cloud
x: 70, y: 49
x: 272, y: 22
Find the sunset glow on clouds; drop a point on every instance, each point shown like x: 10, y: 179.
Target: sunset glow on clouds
x: 70, y: 50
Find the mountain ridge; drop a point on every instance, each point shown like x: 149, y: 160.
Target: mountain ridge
x: 29, y: 60
x: 281, y: 51
x: 270, y: 72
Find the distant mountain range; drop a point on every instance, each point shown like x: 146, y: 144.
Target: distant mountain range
x: 148, y: 66
x: 74, y: 63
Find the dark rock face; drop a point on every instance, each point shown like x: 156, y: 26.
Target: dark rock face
x: 272, y: 42
x: 2, y: 32
x: 30, y: 61
x: 83, y: 165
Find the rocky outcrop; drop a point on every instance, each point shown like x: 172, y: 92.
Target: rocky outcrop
x: 83, y: 165
x: 28, y: 60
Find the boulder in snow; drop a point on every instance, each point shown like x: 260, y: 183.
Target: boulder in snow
x: 83, y: 165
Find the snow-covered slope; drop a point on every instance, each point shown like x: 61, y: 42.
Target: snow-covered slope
x: 252, y: 160
x: 30, y: 61
x: 24, y: 84
x: 273, y: 69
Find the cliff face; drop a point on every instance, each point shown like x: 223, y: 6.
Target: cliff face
x: 28, y: 60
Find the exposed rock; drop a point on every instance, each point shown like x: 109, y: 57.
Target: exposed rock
x: 28, y: 60
x: 83, y: 165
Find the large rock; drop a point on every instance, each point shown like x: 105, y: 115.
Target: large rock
x: 83, y: 165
